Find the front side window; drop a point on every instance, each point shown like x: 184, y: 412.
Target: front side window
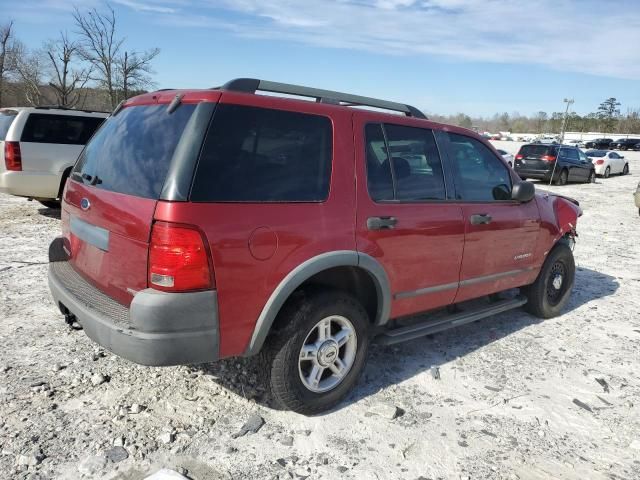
x: 403, y: 164
x: 62, y: 129
x: 480, y: 175
x: 255, y: 154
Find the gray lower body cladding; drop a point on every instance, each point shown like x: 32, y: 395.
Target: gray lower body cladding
x: 159, y: 328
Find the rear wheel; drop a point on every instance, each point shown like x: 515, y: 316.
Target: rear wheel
x: 317, y: 357
x: 607, y: 172
x: 549, y: 294
x: 563, y: 177
x: 625, y: 169
x: 592, y: 177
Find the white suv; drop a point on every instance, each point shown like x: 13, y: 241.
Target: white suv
x: 39, y: 146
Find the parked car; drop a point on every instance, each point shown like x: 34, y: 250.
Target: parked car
x: 636, y: 197
x: 608, y: 162
x: 169, y: 222
x: 575, y: 143
x: 636, y: 147
x: 38, y: 147
x: 599, y: 143
x: 507, y: 156
x: 625, y: 144
x: 565, y: 163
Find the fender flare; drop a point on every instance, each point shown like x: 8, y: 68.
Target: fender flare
x: 304, y: 271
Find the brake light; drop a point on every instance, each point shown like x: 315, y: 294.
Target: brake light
x: 178, y: 259
x: 548, y: 158
x: 12, y: 156
x: 599, y: 162
x: 519, y: 157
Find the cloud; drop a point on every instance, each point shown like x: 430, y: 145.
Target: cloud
x: 145, y: 6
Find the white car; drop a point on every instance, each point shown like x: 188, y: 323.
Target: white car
x: 575, y: 143
x: 38, y: 148
x: 608, y: 162
x: 507, y: 156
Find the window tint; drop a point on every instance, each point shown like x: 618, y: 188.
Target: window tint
x: 263, y: 155
x: 65, y: 129
x: 6, y: 119
x: 613, y: 155
x: 132, y: 152
x: 481, y: 176
x: 412, y: 155
x: 536, y: 150
x: 582, y: 156
x: 379, y: 181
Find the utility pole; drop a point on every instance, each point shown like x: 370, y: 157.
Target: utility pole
x: 568, y: 101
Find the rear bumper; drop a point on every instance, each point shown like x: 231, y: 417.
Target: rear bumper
x: 30, y: 184
x: 536, y: 174
x: 159, y: 328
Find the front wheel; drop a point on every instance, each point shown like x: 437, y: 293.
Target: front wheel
x: 625, y: 169
x: 607, y: 172
x: 316, y: 357
x: 548, y: 295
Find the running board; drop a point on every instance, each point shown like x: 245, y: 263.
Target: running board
x: 402, y: 334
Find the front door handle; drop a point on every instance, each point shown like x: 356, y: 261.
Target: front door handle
x: 381, y: 223
x: 480, y: 219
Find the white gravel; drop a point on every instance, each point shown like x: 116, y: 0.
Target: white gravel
x: 516, y: 398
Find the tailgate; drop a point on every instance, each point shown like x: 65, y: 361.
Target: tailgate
x: 111, y: 196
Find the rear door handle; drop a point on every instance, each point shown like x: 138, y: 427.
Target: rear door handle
x: 480, y: 219
x: 381, y: 223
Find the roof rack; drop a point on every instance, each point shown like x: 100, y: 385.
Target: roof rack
x: 59, y: 107
x: 251, y: 85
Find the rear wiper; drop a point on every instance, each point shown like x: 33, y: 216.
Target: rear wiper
x: 92, y: 179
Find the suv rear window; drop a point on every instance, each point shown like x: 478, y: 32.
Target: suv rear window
x: 537, y: 150
x: 6, y: 119
x: 263, y: 155
x: 64, y: 129
x: 132, y: 152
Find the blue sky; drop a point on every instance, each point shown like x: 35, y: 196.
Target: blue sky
x: 479, y: 57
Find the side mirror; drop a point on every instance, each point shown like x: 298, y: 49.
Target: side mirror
x: 621, y: 156
x: 523, y: 192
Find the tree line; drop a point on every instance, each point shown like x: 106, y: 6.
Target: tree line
x: 607, y: 119
x: 92, y: 68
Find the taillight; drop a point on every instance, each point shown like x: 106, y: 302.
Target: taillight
x: 599, y: 162
x: 178, y: 259
x: 12, y: 156
x: 519, y: 157
x: 548, y: 158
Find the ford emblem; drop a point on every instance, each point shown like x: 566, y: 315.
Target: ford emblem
x: 85, y: 204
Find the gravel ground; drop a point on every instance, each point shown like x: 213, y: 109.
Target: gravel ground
x: 516, y: 398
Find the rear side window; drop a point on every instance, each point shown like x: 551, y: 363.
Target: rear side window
x: 262, y: 155
x: 6, y: 119
x: 65, y: 129
x: 480, y: 175
x: 403, y: 164
x: 132, y: 152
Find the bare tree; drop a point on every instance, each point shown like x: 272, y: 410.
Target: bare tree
x: 29, y: 69
x: 67, y: 79
x: 134, y: 71
x: 7, y: 55
x: 100, y: 47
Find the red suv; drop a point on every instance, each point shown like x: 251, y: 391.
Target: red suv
x: 205, y: 224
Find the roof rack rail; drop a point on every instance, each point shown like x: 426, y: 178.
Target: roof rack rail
x: 251, y: 85
x: 59, y: 107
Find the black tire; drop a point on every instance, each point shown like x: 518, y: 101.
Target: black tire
x: 592, y: 177
x: 50, y: 203
x: 281, y: 354
x: 607, y: 172
x: 546, y: 299
x: 625, y: 169
x: 563, y: 178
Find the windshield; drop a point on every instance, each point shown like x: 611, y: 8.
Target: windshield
x: 6, y: 119
x: 132, y: 151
